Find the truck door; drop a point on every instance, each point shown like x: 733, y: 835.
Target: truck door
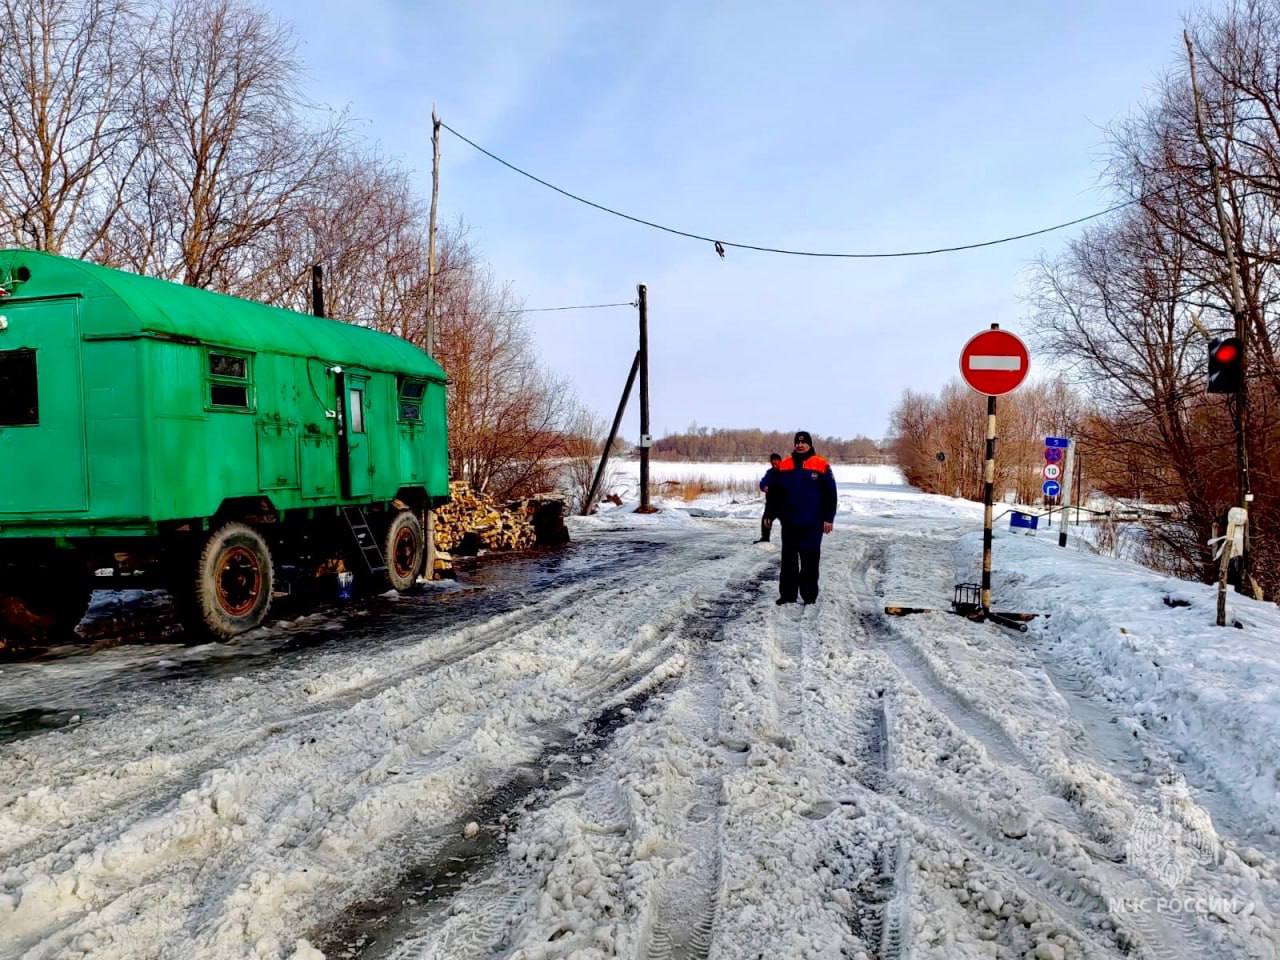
x: 355, y: 439
x: 42, y: 440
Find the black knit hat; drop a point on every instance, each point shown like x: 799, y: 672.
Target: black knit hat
x: 774, y: 456
x: 802, y: 436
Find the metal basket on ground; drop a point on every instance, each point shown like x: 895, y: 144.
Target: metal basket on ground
x: 968, y: 599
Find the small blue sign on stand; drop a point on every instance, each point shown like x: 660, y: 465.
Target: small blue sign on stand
x: 1057, y: 442
x: 1051, y: 488
x: 1024, y: 521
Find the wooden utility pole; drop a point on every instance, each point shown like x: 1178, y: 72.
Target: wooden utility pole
x: 1240, y: 406
x: 431, y: 307
x: 645, y: 439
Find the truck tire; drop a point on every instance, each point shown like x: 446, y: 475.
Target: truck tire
x: 404, y: 547
x: 234, y: 578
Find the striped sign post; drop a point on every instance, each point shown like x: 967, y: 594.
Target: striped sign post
x: 994, y: 362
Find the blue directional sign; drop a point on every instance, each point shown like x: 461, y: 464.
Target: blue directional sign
x: 1051, y: 488
x: 1026, y: 521
x: 1057, y: 442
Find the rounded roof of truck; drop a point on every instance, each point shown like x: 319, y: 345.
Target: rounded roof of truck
x: 150, y: 307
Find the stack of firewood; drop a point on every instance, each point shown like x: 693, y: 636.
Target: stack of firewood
x: 473, y: 521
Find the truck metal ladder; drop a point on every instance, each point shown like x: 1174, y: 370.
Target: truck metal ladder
x: 364, y: 539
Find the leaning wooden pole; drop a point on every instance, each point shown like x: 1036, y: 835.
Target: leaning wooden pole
x: 431, y: 310
x: 588, y: 503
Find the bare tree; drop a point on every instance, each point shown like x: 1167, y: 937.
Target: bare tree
x: 67, y: 136
x: 228, y: 153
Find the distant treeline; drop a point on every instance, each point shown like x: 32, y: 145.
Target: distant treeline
x: 706, y: 444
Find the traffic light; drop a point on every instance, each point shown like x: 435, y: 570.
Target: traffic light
x: 1226, y: 365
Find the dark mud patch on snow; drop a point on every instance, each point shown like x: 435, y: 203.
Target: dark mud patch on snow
x: 448, y: 862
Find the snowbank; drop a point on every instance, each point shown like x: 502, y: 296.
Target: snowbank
x: 1211, y: 692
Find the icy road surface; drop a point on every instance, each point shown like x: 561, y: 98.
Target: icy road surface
x: 641, y: 756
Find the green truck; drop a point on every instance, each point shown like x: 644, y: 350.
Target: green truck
x: 179, y: 437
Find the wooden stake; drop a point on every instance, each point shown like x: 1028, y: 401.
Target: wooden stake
x: 1227, y: 544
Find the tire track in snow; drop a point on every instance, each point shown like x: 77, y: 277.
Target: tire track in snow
x: 88, y: 798
x: 1021, y: 766
x: 683, y: 919
x: 1081, y: 909
x: 471, y: 922
x: 275, y: 797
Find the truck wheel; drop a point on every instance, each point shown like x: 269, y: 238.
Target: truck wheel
x: 404, y: 547
x: 233, y: 581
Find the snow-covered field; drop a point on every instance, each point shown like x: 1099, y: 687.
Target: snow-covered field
x: 625, y: 474
x: 649, y: 759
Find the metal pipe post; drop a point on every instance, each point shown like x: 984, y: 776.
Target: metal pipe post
x: 988, y: 489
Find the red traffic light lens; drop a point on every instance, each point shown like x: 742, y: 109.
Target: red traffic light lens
x: 1226, y: 353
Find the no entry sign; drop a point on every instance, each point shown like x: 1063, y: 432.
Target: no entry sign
x: 994, y: 362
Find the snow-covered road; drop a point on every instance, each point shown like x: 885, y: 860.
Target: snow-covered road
x: 644, y: 757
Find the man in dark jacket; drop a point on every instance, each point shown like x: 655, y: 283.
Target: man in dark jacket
x: 766, y: 521
x: 802, y: 494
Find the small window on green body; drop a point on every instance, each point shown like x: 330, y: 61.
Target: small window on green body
x: 228, y: 395
x: 229, y: 380
x: 224, y: 365
x: 411, y: 393
x: 357, y: 411
x: 19, y: 393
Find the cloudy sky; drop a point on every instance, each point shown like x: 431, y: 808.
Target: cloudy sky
x: 847, y: 126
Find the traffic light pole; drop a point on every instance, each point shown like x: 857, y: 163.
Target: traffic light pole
x: 1240, y: 407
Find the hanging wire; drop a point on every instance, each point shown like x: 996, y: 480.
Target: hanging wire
x: 721, y: 244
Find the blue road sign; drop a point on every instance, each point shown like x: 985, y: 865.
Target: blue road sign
x: 1052, y: 454
x: 1027, y: 521
x: 1057, y: 442
x: 1051, y: 488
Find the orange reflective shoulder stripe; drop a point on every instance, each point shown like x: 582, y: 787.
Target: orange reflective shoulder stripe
x: 787, y: 464
x: 816, y: 463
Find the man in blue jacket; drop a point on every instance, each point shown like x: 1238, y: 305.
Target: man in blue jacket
x: 802, y: 494
x: 766, y: 521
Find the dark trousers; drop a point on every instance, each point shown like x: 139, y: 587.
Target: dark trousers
x: 801, y: 554
x: 766, y: 526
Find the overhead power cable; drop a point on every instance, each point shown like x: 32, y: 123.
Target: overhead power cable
x: 721, y: 244
x: 583, y: 306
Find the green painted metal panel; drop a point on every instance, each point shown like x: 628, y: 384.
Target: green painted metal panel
x: 42, y: 444
x: 171, y: 400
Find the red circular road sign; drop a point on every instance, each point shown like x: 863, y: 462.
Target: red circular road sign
x: 994, y: 362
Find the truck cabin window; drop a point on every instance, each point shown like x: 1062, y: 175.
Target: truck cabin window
x: 357, y: 410
x: 411, y: 392
x: 19, y: 397
x: 229, y: 381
